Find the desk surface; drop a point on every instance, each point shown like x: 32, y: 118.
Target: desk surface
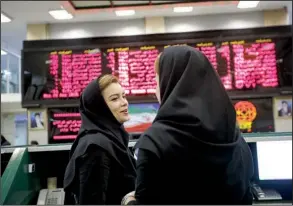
x: 272, y: 203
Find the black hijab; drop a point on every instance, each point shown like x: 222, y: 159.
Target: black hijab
x: 99, y: 127
x: 195, y: 110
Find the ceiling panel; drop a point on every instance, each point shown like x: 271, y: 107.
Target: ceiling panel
x: 78, y: 4
x: 124, y: 3
x: 166, y: 2
x: 103, y: 4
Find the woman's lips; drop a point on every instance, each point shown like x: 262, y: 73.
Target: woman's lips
x: 125, y: 111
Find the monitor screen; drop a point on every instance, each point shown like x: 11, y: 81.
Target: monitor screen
x: 274, y: 160
x: 141, y: 117
x: 242, y: 65
x: 255, y: 115
x: 64, y: 123
x: 253, y: 64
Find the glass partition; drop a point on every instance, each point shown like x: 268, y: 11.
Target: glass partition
x: 10, y: 72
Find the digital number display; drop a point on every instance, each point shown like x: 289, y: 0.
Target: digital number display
x: 64, y: 124
x: 72, y: 72
x: 254, y: 64
x: 134, y: 67
x: 242, y: 66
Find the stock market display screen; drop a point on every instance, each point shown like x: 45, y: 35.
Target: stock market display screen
x: 243, y: 65
x: 252, y: 115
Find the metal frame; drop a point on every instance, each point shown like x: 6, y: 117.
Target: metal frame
x: 251, y: 138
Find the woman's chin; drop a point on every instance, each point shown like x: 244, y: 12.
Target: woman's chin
x: 125, y: 118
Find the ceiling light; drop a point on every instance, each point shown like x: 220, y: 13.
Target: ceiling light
x: 4, y: 18
x: 3, y: 52
x: 60, y: 14
x: 125, y: 12
x: 247, y: 4
x: 182, y: 9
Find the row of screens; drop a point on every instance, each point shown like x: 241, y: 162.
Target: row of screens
x: 254, y: 115
x: 242, y: 65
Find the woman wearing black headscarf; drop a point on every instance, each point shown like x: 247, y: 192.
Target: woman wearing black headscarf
x: 101, y: 169
x: 194, y: 152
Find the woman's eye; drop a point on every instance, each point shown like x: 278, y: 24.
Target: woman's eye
x: 114, y: 99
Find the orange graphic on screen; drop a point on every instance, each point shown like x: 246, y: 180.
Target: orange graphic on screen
x: 245, y: 114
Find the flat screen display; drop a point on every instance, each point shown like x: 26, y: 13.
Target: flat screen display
x: 254, y: 115
x: 274, y: 160
x: 64, y: 123
x: 243, y: 65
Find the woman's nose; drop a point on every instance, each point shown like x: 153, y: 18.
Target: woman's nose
x: 124, y: 102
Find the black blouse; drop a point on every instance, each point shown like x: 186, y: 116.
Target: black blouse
x: 101, y: 180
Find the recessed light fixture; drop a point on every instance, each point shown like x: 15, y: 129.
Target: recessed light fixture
x: 60, y: 14
x: 3, y: 52
x: 183, y: 9
x: 4, y: 18
x: 125, y: 12
x: 247, y: 4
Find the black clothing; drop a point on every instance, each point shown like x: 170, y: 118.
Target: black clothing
x: 99, y: 157
x: 102, y: 180
x: 4, y: 141
x: 194, y: 152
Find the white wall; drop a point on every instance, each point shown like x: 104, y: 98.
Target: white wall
x: 214, y: 22
x: 94, y: 29
x: 172, y: 24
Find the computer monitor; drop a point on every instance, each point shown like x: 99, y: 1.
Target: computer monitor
x: 141, y: 117
x: 274, y: 160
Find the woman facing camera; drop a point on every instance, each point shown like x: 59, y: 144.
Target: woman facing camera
x: 194, y: 152
x: 101, y: 169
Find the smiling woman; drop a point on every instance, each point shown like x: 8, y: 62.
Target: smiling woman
x: 101, y: 167
x: 114, y: 96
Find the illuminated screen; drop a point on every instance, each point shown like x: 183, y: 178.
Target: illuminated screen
x: 64, y: 123
x: 254, y: 115
x: 62, y: 74
x: 274, y: 160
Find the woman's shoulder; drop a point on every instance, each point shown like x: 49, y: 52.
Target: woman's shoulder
x: 98, y: 140
x: 94, y: 154
x: 93, y: 144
